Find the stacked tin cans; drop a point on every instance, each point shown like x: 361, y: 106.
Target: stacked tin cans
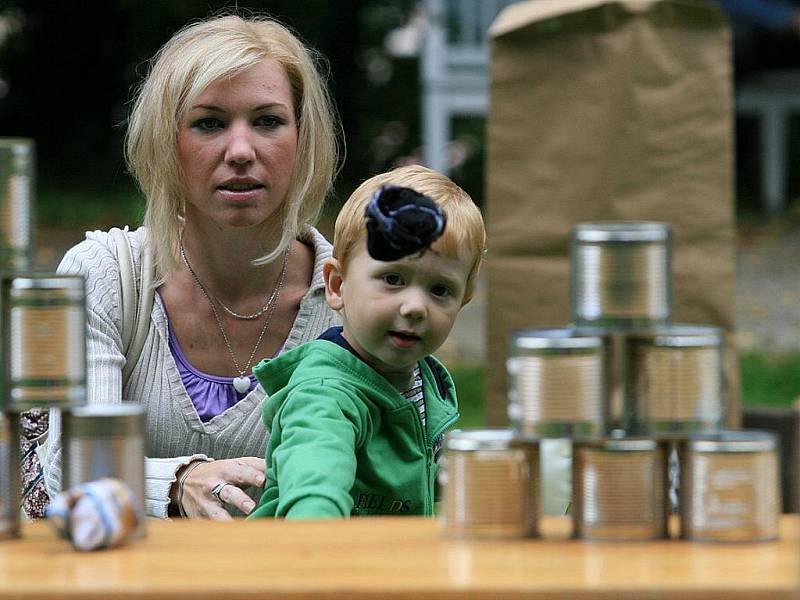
x: 42, y: 322
x: 43, y: 333
x: 637, y: 401
x: 17, y: 171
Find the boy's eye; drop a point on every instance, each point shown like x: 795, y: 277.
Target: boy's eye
x: 207, y: 124
x: 393, y: 279
x: 441, y: 291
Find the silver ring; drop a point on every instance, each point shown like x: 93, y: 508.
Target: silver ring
x: 217, y: 489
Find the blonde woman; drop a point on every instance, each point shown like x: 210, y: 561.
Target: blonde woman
x: 233, y: 141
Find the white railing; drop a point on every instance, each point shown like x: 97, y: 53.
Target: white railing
x: 454, y: 67
x: 773, y: 97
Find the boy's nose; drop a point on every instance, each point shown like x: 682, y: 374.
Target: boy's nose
x: 414, y: 306
x: 240, y: 148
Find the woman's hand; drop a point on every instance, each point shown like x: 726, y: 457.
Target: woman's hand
x: 235, y: 473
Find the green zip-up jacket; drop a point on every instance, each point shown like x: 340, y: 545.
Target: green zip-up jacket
x: 343, y: 440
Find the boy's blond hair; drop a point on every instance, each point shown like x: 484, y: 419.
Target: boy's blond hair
x: 464, y: 234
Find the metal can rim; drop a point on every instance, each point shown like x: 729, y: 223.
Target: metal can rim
x: 552, y: 337
x: 470, y: 440
x: 680, y: 335
x: 41, y: 282
x: 751, y: 440
x: 124, y: 409
x: 618, y: 444
x: 621, y: 231
x: 107, y: 420
x: 17, y: 143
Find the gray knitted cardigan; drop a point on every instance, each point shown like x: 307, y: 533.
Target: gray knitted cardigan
x: 174, y: 433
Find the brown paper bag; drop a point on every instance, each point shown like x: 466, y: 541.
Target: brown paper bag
x: 607, y: 111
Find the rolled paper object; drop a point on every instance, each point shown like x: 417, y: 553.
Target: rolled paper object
x: 401, y: 222
x: 96, y: 515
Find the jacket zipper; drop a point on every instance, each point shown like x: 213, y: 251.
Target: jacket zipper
x: 430, y: 466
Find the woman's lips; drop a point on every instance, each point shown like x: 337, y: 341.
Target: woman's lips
x: 240, y: 193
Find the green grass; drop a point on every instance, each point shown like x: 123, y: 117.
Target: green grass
x: 469, y: 386
x: 770, y: 379
x: 87, y: 210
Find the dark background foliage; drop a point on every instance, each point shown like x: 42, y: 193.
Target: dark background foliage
x: 67, y: 71
x: 70, y: 69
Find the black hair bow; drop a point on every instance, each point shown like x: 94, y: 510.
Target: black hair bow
x: 400, y: 222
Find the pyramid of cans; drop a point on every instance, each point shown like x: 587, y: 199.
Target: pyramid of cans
x: 43, y: 357
x: 640, y: 399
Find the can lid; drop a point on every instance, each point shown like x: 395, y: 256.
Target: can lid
x: 621, y: 231
x: 681, y: 336
x: 17, y: 145
x: 618, y: 444
x: 49, y: 281
x: 749, y: 440
x: 106, y: 420
x: 566, y: 338
x: 486, y: 439
x: 595, y: 330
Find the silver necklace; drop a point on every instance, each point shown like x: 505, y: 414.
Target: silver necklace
x: 242, y: 382
x: 265, y: 308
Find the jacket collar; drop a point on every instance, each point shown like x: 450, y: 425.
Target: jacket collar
x: 334, y: 334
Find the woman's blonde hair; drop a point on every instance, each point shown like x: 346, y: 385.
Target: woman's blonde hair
x: 194, y: 58
x: 464, y: 234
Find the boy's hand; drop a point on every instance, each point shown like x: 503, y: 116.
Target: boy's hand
x: 236, y: 473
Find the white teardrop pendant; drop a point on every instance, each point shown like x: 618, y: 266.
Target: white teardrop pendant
x: 242, y: 384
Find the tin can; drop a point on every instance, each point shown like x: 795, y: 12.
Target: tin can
x: 44, y: 342
x: 17, y: 175
x: 673, y: 380
x: 621, y: 274
x: 490, y: 484
x: 558, y: 382
x: 730, y: 487
x: 619, y: 489
x: 9, y: 477
x: 105, y: 441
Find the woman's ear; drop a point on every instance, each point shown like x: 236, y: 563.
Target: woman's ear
x: 333, y: 284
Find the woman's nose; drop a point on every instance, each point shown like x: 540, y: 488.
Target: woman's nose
x: 240, y: 148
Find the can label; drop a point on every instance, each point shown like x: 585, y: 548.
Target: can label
x: 491, y: 493
x: 47, y: 353
x: 619, y: 494
x: 731, y: 497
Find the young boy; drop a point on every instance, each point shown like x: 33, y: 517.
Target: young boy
x: 357, y: 416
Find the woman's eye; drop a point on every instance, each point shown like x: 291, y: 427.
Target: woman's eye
x: 207, y: 124
x: 269, y: 121
x: 441, y: 291
x: 393, y: 279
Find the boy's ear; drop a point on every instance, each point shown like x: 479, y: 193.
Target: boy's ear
x: 333, y: 284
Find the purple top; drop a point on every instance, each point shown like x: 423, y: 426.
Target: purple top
x: 211, y: 394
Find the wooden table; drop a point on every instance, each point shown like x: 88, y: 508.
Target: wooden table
x: 392, y: 558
